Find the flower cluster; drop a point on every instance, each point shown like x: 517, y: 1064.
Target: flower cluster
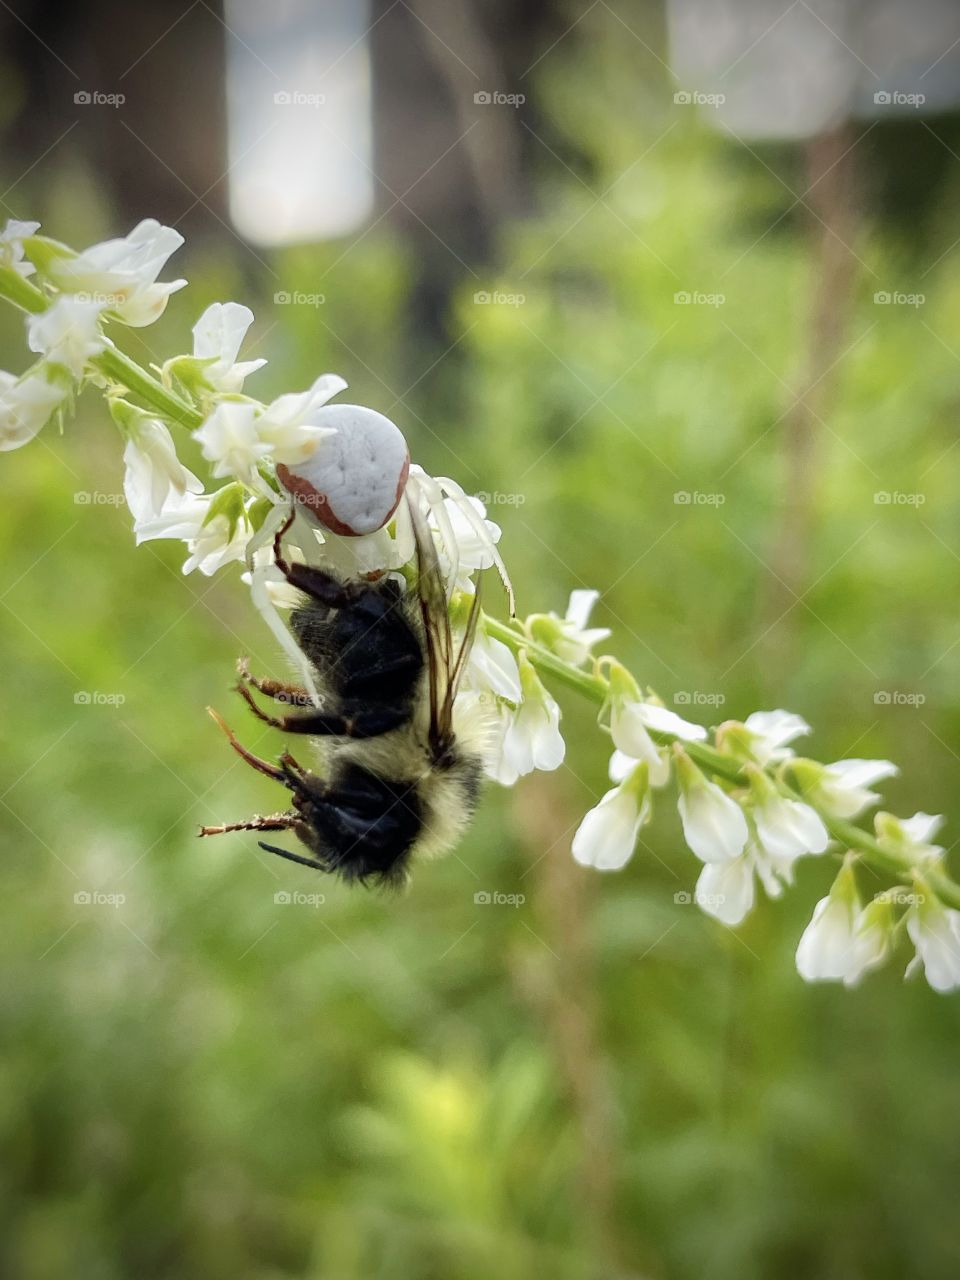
x: 338, y: 480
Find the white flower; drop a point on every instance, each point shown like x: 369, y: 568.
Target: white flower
x: 471, y: 538
x: 910, y: 837
x: 873, y: 938
x: 842, y: 942
x: 153, y: 470
x: 631, y: 718
x: 714, y: 825
x: 607, y: 836
x: 842, y: 788
x: 122, y: 273
x: 213, y: 537
x: 786, y: 828
x: 532, y: 738
x: 292, y: 425
x: 935, y: 932
x: 231, y: 440
x: 68, y: 333
x: 492, y: 668
x: 26, y: 406
x: 218, y: 336
x: 11, y: 246
x: 576, y: 640
x: 770, y: 731
x: 569, y: 637
x: 726, y: 890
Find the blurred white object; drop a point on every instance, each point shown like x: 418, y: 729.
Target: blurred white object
x: 299, y: 118
x: 776, y: 69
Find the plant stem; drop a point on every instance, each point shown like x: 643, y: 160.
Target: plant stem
x: 112, y: 362
x: 847, y: 834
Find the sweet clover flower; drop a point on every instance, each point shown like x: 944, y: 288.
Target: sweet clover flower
x: 337, y: 481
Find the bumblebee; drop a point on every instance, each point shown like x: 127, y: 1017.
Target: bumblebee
x: 402, y: 763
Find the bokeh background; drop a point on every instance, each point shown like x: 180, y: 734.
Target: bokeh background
x: 678, y: 287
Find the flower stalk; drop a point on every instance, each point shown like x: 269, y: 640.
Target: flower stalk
x: 336, y: 482
x: 847, y: 834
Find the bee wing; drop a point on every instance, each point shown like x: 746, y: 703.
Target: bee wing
x: 444, y: 666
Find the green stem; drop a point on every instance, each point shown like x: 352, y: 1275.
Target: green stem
x: 112, y: 363
x: 713, y: 761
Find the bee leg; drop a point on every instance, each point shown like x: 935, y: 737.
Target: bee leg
x: 275, y: 689
x: 328, y: 724
x: 262, y: 766
x: 275, y: 822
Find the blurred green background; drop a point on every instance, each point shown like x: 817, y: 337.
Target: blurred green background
x: 200, y: 1080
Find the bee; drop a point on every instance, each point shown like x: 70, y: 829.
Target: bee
x: 402, y: 762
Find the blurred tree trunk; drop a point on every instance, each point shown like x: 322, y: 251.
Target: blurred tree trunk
x: 833, y: 201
